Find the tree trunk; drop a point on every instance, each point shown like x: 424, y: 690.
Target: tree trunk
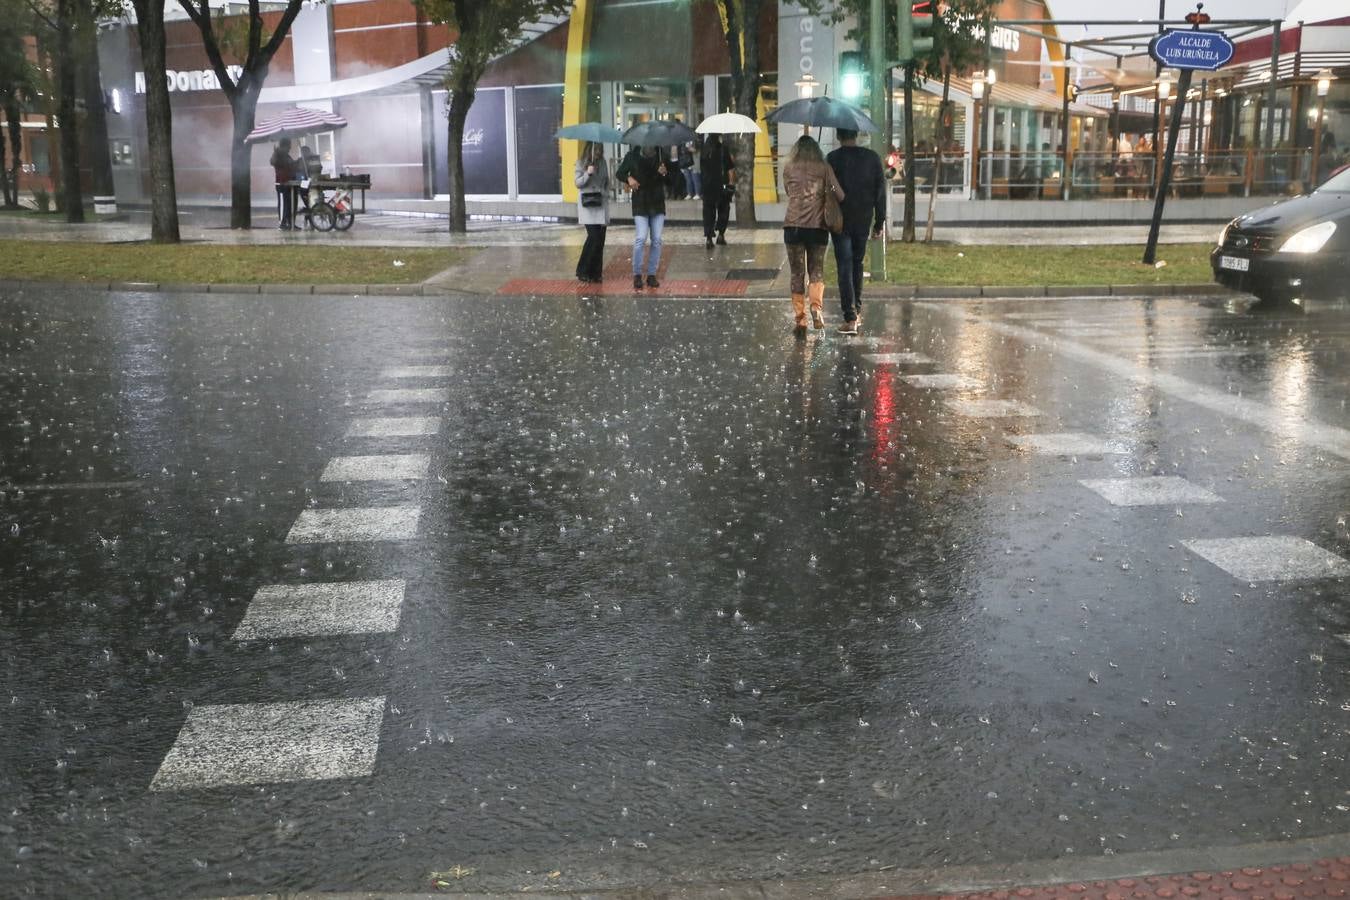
x: 12, y: 118
x: 96, y: 116
x: 742, y: 35
x: 244, y: 107
x: 66, y: 72
x: 4, y: 176
x: 907, y: 233
x: 158, y: 123
x: 939, y: 139
x: 461, y: 98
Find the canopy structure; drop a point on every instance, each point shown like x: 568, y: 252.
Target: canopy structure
x: 294, y: 122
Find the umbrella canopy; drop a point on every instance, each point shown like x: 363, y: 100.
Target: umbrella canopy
x: 590, y: 131
x: 294, y: 122
x: 728, y: 123
x: 661, y: 133
x: 822, y: 112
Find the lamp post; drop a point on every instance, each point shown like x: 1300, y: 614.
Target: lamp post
x: 977, y: 93
x: 1324, y: 79
x: 990, y: 79
x: 806, y: 86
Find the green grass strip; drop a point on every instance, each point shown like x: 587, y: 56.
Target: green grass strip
x: 217, y: 264
x: 1036, y: 265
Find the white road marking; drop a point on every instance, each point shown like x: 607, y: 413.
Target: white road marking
x: 1281, y: 422
x: 944, y: 382
x: 992, y: 409
x: 73, y: 486
x: 409, y: 395
x: 384, y: 467
x: 304, y: 610
x: 259, y: 743
x: 399, y: 426
x: 417, y: 372
x: 1279, y: 558
x: 378, y: 523
x: 897, y: 359
x: 1164, y: 490
x: 1063, y: 444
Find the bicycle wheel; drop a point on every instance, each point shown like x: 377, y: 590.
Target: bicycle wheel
x: 344, y: 219
x: 323, y: 216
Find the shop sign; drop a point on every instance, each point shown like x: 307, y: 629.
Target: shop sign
x: 191, y: 80
x: 1206, y: 50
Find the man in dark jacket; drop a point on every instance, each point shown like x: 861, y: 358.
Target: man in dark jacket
x: 719, y: 183
x: 645, y: 172
x: 859, y: 172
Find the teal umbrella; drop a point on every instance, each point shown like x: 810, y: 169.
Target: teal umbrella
x: 659, y: 133
x: 590, y: 131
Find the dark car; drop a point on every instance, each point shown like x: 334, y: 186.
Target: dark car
x: 1295, y: 249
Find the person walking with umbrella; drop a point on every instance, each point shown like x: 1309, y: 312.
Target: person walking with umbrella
x: 645, y: 171
x: 719, y: 185
x: 283, y: 170
x: 859, y: 172
x: 807, y: 181
x: 591, y: 175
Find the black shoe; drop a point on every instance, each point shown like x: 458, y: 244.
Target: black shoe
x: 595, y: 279
x: 652, y: 282
x: 707, y: 242
x: 722, y: 239
x: 637, y: 282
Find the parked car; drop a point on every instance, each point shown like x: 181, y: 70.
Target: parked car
x: 1294, y: 249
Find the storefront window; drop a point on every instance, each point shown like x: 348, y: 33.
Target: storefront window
x: 538, y: 156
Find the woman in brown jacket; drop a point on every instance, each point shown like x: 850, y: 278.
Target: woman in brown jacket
x: 806, y: 178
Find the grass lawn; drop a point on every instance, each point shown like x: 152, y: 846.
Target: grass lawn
x: 214, y: 264
x: 1007, y: 266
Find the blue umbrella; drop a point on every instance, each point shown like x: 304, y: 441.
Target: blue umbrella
x: 822, y: 112
x: 590, y: 131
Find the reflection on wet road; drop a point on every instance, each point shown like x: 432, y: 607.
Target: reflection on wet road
x: 326, y: 593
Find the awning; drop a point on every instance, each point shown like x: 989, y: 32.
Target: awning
x: 1012, y: 95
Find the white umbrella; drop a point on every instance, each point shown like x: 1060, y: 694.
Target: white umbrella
x: 728, y: 123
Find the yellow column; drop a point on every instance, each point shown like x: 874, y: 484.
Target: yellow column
x: 766, y: 185
x: 574, y: 86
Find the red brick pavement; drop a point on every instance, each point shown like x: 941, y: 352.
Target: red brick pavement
x: 1323, y: 878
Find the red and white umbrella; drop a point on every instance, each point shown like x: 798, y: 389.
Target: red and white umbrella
x: 294, y: 122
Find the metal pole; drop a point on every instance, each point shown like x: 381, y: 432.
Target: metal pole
x: 1157, y: 73
x: 1270, y: 92
x: 1151, y: 250
x: 1317, y: 143
x: 880, y: 103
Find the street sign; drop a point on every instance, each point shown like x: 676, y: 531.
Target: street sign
x: 1191, y: 49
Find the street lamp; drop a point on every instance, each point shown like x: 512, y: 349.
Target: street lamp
x: 1164, y: 87
x: 1324, y: 79
x: 806, y: 86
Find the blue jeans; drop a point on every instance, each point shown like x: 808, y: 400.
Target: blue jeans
x: 648, y: 225
x: 850, y: 249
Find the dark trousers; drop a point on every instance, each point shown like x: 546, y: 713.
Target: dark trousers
x: 592, y: 261
x: 716, y: 209
x: 850, y: 251
x: 285, y: 204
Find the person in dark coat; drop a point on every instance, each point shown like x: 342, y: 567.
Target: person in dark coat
x: 864, y: 206
x: 283, y: 170
x: 719, y: 186
x: 645, y: 172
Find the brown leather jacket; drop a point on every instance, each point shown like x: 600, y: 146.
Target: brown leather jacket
x: 805, y: 184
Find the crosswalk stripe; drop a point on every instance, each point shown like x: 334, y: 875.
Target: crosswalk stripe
x: 396, y: 426
x: 382, y: 467
x: 307, y: 610
x: 409, y: 395
x: 378, y: 523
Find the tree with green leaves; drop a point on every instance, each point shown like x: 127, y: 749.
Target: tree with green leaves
x: 740, y: 28
x: 158, y: 122
x: 18, y: 87
x: 484, y: 29
x: 245, y: 41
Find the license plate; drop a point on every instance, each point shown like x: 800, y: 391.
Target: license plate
x: 1236, y: 263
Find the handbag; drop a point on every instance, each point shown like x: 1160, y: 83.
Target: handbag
x: 834, y: 215
x: 592, y: 199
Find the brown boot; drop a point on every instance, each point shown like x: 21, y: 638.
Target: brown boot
x: 816, y: 292
x: 799, y: 309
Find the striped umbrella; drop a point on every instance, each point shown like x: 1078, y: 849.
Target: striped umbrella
x: 294, y: 122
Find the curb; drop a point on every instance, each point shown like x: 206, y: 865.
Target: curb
x: 424, y: 289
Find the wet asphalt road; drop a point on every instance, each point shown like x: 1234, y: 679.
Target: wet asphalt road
x: 663, y: 594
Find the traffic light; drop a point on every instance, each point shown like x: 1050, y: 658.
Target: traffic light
x: 852, y: 75
x: 914, y: 18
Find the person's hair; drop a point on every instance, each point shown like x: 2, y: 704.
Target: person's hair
x: 845, y: 134
x: 587, y: 152
x: 805, y: 150
x: 281, y: 154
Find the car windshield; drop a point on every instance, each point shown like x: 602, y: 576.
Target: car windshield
x: 1337, y: 184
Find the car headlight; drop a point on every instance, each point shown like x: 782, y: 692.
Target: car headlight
x: 1223, y: 235
x: 1310, y: 239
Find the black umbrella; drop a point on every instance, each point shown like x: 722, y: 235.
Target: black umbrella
x: 660, y: 133
x: 822, y: 112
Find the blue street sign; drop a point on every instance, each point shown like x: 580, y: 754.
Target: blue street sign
x: 1191, y: 49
